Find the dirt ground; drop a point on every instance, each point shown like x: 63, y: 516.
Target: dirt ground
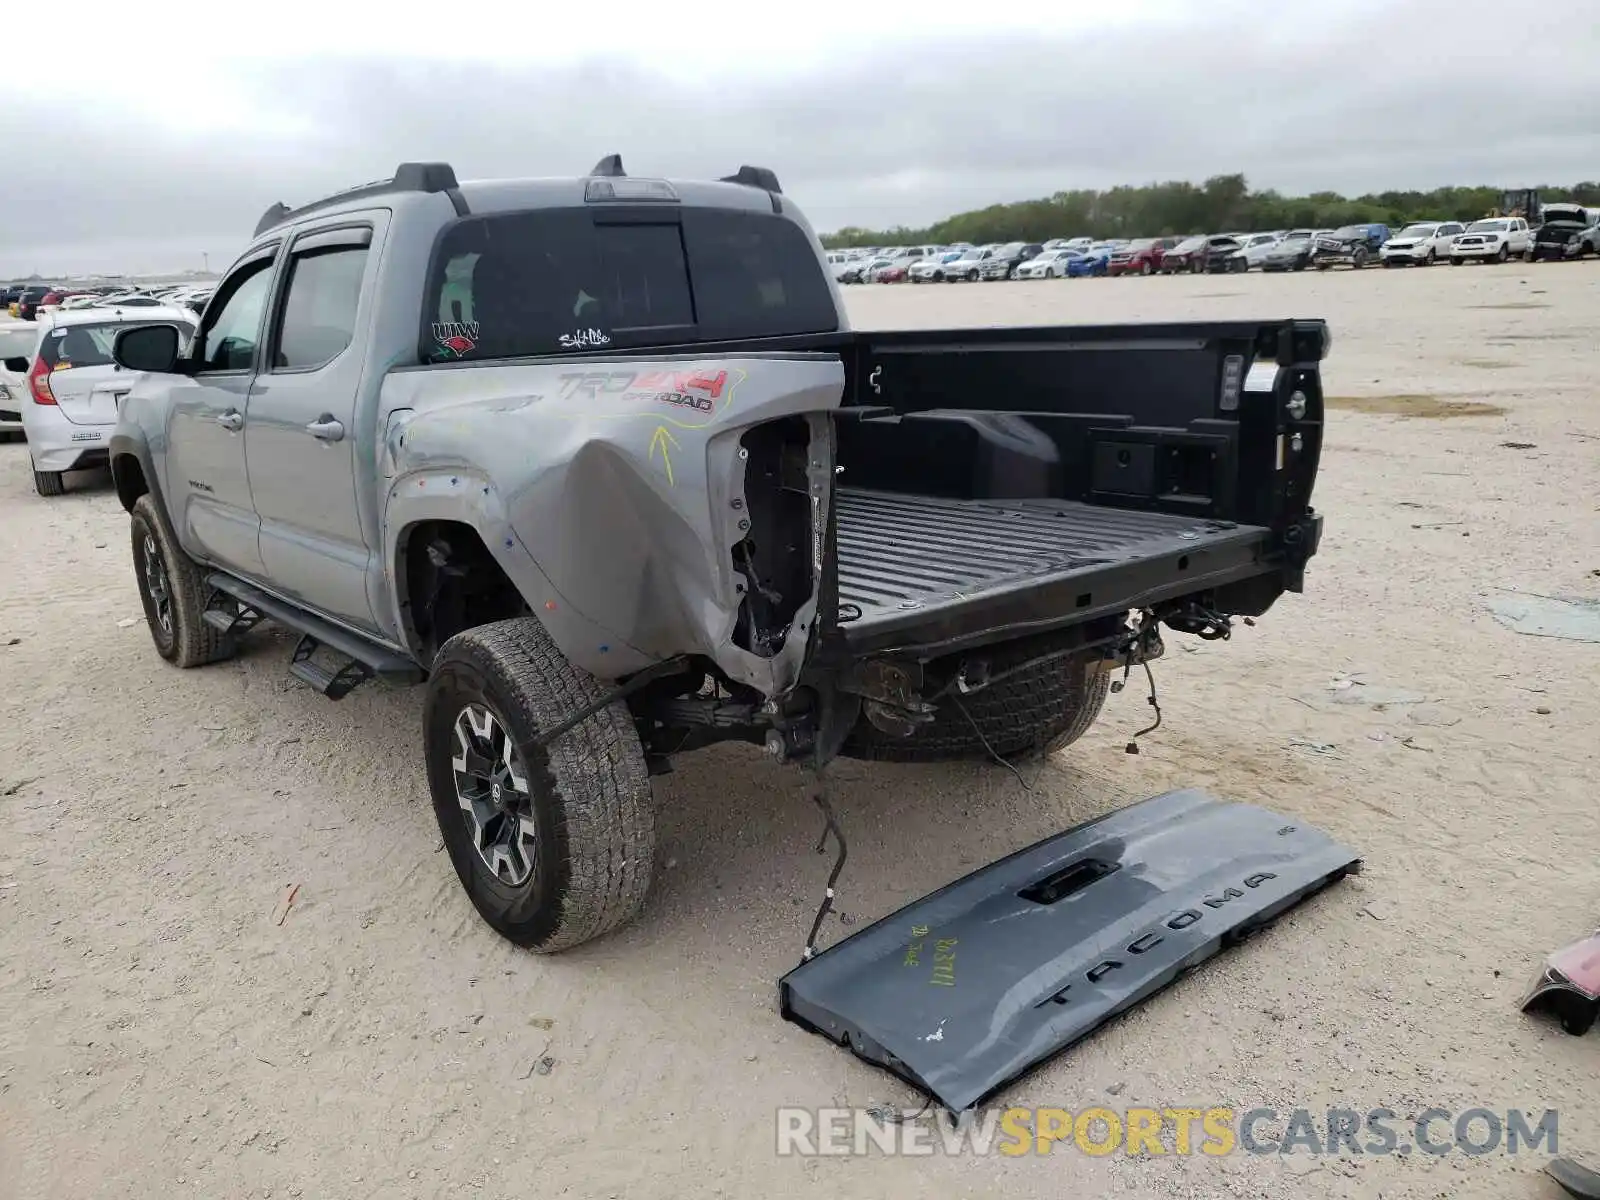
x: 163, y: 1036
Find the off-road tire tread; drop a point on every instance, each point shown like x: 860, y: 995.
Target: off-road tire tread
x: 594, y: 776
x: 195, y: 643
x: 1029, y: 715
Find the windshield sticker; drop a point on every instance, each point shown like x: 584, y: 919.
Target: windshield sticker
x: 456, y: 337
x: 584, y: 338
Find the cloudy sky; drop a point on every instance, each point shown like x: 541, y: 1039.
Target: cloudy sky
x: 152, y: 152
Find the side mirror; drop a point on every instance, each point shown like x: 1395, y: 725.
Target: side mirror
x: 17, y: 366
x: 147, y: 348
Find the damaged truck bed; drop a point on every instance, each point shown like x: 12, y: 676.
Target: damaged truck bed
x: 601, y: 463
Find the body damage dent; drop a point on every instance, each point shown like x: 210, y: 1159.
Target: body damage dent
x: 610, y: 491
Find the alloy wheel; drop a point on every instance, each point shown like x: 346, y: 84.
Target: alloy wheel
x: 156, y: 584
x: 492, y: 790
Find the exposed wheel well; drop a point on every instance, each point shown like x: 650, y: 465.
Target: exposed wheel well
x: 127, y: 473
x: 451, y: 582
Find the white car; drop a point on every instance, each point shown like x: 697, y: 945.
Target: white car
x: 1256, y: 248
x: 16, y: 342
x: 1496, y: 238
x: 1421, y: 243
x: 1052, y: 264
x: 73, y: 388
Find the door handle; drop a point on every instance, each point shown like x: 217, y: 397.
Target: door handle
x: 233, y: 420
x: 326, y: 428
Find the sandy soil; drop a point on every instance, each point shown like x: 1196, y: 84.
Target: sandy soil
x: 164, y: 1037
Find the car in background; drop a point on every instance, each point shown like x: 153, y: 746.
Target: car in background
x: 1142, y: 256
x: 26, y: 305
x: 1494, y: 238
x: 1565, y: 231
x: 1356, y: 245
x: 1096, y: 260
x: 1047, y: 264
x: 16, y: 342
x: 860, y: 271
x: 1207, y: 253
x: 1292, y: 252
x: 1182, y: 256
x: 931, y: 269
x: 74, y: 389
x: 1421, y: 243
x: 968, y: 265
x: 1002, y: 264
x: 129, y: 300
x: 1254, y: 248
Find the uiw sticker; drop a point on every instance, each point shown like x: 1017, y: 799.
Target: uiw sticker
x: 456, y: 337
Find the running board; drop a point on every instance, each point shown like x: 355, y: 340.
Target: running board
x: 965, y: 990
x: 244, y: 605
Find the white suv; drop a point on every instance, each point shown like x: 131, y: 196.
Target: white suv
x: 1497, y: 238
x: 1422, y: 243
x: 72, y: 389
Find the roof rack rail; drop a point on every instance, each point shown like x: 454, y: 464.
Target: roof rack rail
x: 609, y: 167
x: 408, y: 177
x: 756, y: 177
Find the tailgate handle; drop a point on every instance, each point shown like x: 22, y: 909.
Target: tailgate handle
x: 326, y: 428
x: 1069, y: 879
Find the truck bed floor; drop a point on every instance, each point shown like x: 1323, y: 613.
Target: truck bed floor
x: 907, y: 560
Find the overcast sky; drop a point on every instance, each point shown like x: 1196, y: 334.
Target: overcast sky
x: 148, y: 151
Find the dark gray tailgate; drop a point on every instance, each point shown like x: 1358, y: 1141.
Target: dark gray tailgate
x: 964, y: 990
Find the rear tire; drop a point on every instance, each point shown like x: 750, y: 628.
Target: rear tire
x: 174, y: 591
x: 583, y: 801
x: 1028, y: 715
x: 49, y: 483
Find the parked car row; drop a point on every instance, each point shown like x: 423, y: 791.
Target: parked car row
x: 27, y: 301
x: 1567, y: 231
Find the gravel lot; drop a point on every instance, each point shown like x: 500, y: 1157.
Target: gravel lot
x: 163, y: 1036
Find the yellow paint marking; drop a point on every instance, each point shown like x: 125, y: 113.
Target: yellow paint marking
x: 662, y: 440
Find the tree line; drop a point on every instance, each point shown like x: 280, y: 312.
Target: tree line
x: 1223, y: 202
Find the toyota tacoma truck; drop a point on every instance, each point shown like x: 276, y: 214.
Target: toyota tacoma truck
x: 600, y: 461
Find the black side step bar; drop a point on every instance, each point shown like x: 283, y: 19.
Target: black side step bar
x: 364, y: 658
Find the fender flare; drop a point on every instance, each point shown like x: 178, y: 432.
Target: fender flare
x: 465, y: 496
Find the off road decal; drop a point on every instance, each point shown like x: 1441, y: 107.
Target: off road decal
x: 456, y: 338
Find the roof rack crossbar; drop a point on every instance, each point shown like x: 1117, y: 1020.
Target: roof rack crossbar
x: 408, y: 177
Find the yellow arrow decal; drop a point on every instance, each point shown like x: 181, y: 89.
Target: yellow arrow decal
x: 663, y: 441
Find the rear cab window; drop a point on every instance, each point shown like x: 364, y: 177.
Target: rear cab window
x: 554, y: 281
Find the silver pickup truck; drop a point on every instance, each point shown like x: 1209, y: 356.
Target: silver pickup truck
x: 600, y: 461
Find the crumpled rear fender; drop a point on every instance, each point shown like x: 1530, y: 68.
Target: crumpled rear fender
x: 611, y: 491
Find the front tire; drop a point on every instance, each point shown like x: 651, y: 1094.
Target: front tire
x: 1503, y: 254
x: 1029, y: 715
x: 173, y: 589
x: 49, y: 483
x: 1429, y: 258
x: 554, y: 844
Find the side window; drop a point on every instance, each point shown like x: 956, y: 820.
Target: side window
x: 319, y: 310
x: 233, y: 328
